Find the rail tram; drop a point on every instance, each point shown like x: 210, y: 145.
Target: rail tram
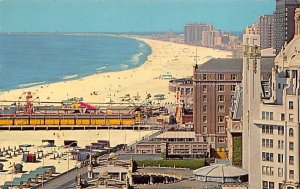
x: 67, y: 119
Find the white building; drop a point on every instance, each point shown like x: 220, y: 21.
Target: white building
x: 271, y: 125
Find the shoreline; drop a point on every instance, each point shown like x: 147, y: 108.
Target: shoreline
x: 78, y: 76
x: 164, y: 58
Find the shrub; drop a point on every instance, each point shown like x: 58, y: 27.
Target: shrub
x: 181, y: 163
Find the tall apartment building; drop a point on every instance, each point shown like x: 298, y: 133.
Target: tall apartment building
x: 266, y: 31
x: 271, y: 130
x: 193, y: 32
x: 284, y: 22
x: 214, y: 85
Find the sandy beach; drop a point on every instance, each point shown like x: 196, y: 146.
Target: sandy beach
x: 167, y: 58
x: 15, y: 138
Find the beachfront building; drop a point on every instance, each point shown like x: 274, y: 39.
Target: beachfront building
x: 175, y: 144
x: 214, y: 85
x: 271, y: 125
x: 284, y: 22
x: 266, y: 31
x: 193, y: 32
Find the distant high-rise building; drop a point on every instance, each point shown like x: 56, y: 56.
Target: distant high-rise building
x: 284, y: 22
x: 266, y: 31
x: 193, y: 32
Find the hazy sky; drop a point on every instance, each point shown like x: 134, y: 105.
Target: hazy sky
x: 127, y: 15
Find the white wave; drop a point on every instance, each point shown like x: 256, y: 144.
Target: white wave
x: 70, y: 76
x: 136, y: 57
x: 124, y: 66
x: 31, y: 84
x: 141, y: 45
x: 101, y: 68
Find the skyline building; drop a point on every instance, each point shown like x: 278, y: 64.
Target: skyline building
x: 266, y: 31
x: 284, y: 22
x: 193, y: 32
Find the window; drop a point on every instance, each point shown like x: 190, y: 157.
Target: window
x: 221, y: 88
x: 204, y: 88
x: 204, y: 129
x: 263, y: 129
x: 221, y: 77
x: 266, y: 170
x: 291, y: 105
x: 221, y: 139
x: 291, y: 117
x: 204, y: 77
x: 221, y: 108
x: 221, y: 129
x: 279, y: 86
x: 233, y: 76
x: 271, y: 185
x: 280, y: 186
x: 291, y: 132
x: 280, y: 172
x: 221, y: 98
x: 291, y: 146
x: 280, y: 144
x: 204, y: 98
x: 291, y: 174
x: 291, y: 160
x: 271, y: 129
x: 268, y: 143
x: 271, y: 115
x: 265, y: 185
x: 271, y: 143
x: 204, y: 119
x: 220, y: 119
x: 267, y: 115
x: 232, y: 88
x: 280, y: 130
x: 266, y: 156
x: 280, y: 158
x: 282, y: 116
x: 204, y: 109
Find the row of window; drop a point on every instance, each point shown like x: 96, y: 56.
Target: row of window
x: 270, y: 185
x: 268, y: 143
x: 221, y: 98
x: 221, y: 88
x: 221, y: 119
x: 269, y: 129
x: 268, y: 156
x: 221, y: 129
x: 269, y: 116
x: 266, y: 170
x: 221, y: 76
x: 221, y: 108
x: 221, y: 139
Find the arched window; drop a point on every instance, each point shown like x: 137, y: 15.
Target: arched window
x: 291, y: 132
x: 290, y: 187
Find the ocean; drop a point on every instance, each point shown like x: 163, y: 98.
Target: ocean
x: 32, y: 59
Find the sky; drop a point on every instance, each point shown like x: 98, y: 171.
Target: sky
x: 127, y: 15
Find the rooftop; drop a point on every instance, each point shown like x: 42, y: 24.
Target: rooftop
x: 220, y: 171
x: 232, y: 65
x: 177, y: 134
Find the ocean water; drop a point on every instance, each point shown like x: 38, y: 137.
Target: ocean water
x: 31, y: 59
